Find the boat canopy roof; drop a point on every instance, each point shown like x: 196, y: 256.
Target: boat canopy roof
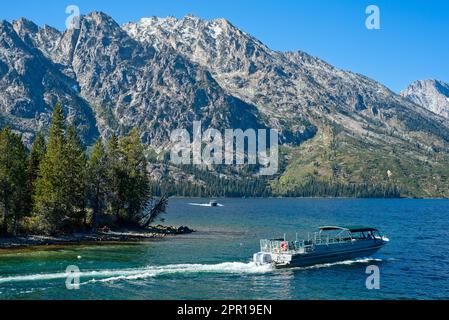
x: 348, y: 228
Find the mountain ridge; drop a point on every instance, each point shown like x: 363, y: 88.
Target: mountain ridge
x: 159, y: 74
x: 432, y: 94
x: 259, y: 56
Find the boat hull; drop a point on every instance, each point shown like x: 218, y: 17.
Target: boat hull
x: 310, y: 260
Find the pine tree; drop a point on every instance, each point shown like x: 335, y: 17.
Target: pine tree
x: 135, y: 178
x: 115, y: 175
x: 6, y: 182
x: 35, y: 158
x: 57, y: 128
x: 21, y: 196
x: 50, y: 198
x: 97, y: 181
x: 13, y: 189
x: 75, y: 176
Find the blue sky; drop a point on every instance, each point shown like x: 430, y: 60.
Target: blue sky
x: 413, y: 42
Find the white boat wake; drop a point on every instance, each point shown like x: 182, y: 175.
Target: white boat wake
x: 147, y: 272
x: 103, y: 276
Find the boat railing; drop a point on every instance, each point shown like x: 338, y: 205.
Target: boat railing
x: 283, y: 246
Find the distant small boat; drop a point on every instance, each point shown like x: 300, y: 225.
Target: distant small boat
x: 213, y: 203
x: 330, y: 244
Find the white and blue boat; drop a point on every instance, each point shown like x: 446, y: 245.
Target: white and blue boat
x: 330, y: 244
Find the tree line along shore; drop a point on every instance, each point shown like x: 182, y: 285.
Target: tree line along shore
x: 57, y: 188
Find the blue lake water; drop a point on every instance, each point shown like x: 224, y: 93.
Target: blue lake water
x: 214, y: 263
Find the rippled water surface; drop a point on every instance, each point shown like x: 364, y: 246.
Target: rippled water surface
x: 214, y: 263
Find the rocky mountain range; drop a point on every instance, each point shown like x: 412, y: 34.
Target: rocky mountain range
x: 159, y: 74
x: 431, y: 94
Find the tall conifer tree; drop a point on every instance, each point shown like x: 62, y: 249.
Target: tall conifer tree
x: 13, y: 189
x: 137, y: 191
x: 75, y: 176
x: 98, y: 182
x: 50, y: 199
x: 35, y: 158
x: 115, y: 176
x: 21, y: 196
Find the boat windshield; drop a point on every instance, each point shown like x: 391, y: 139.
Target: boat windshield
x: 371, y: 234
x: 335, y: 233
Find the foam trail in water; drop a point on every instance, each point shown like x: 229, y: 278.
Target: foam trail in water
x: 228, y: 267
x: 150, y: 271
x: 154, y: 271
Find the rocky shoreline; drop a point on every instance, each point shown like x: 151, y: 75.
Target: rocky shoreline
x: 104, y: 236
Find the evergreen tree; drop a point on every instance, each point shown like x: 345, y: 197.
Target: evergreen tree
x: 97, y: 181
x: 57, y: 128
x: 21, y: 196
x: 135, y: 184
x: 6, y: 179
x: 35, y: 158
x: 115, y: 174
x: 50, y: 198
x: 13, y: 188
x: 58, y: 182
x: 75, y: 173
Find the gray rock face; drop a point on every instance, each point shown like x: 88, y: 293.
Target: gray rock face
x: 296, y: 92
x: 126, y: 84
x: 431, y: 94
x: 130, y: 85
x: 30, y: 85
x: 162, y: 74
